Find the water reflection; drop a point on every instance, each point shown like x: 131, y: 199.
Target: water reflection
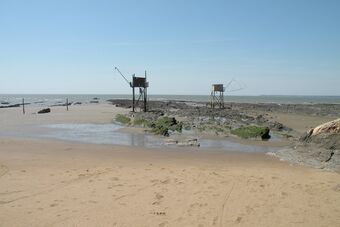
x: 111, y: 134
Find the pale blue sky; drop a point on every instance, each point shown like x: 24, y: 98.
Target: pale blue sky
x: 282, y: 47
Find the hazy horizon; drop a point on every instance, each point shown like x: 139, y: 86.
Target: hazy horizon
x: 71, y: 47
x: 128, y: 94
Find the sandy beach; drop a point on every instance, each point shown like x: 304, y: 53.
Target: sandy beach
x: 45, y: 182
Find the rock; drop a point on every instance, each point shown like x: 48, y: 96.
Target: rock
x: 274, y: 125
x: 170, y: 142
x: 182, y: 143
x: 326, y: 135
x: 318, y: 148
x: 189, y: 143
x: 43, y: 111
x: 327, y: 128
x: 94, y: 101
x: 164, y: 125
x: 77, y: 103
x: 5, y: 103
x: 265, y: 135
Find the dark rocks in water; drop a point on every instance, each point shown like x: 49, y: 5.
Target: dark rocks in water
x: 43, y: 111
x: 94, y: 101
x: 5, y: 103
x: 11, y: 106
x: 183, y: 143
x: 63, y: 104
x: 189, y: 143
x: 77, y: 103
x: 95, y: 98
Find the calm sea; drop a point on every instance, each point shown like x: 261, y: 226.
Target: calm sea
x: 45, y: 100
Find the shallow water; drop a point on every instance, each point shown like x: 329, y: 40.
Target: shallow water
x: 111, y: 134
x: 100, y: 134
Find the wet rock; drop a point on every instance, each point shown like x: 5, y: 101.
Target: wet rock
x: 265, y: 135
x: 5, y: 103
x: 170, y: 142
x: 189, y: 143
x: 274, y: 125
x: 182, y: 143
x: 43, y: 111
x: 94, y: 101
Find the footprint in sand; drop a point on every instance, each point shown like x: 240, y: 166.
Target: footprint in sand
x: 238, y: 219
x: 166, y: 181
x: 159, y: 196
x: 163, y: 224
x: 215, y: 221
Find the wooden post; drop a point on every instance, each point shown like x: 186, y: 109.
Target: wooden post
x: 66, y: 104
x: 133, y: 99
x: 23, y: 106
x: 145, y: 94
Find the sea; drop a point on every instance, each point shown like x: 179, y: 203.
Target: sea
x: 55, y: 99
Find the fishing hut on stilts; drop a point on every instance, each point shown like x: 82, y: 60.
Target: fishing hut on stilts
x: 141, y: 84
x: 217, y: 96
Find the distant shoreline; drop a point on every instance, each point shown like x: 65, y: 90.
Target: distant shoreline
x: 271, y: 99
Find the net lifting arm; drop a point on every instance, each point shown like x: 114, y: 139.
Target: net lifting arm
x: 123, y: 76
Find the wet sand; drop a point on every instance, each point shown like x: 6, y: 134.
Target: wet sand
x: 50, y: 183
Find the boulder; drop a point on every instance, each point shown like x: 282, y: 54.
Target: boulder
x: 47, y: 110
x: 319, y: 147
x: 326, y: 135
x: 331, y: 127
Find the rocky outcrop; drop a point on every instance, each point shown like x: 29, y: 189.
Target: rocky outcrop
x: 319, y: 147
x: 326, y: 135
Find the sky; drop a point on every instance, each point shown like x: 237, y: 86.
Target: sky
x: 282, y: 47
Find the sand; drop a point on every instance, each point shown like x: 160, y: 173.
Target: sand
x: 51, y: 183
